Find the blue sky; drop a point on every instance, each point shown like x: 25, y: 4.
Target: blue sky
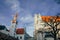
x: 26, y: 10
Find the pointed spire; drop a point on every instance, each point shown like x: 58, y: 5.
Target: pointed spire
x: 15, y: 18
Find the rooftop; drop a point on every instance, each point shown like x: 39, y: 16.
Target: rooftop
x: 20, y: 31
x: 47, y: 18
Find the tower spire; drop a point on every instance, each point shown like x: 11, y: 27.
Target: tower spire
x: 14, y: 25
x: 15, y: 18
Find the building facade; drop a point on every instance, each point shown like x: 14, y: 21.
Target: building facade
x: 20, y: 33
x: 42, y: 30
x: 39, y: 26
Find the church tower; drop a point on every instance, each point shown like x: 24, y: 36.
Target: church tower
x: 39, y: 25
x: 13, y: 25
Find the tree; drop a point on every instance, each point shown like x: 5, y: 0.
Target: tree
x: 53, y: 22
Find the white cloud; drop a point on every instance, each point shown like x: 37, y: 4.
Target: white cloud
x: 27, y: 19
x: 30, y: 25
x: 14, y: 5
x: 30, y: 29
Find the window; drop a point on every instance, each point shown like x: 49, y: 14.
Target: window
x: 17, y: 38
x: 45, y: 39
x: 20, y: 37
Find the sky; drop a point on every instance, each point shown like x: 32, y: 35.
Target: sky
x: 26, y: 10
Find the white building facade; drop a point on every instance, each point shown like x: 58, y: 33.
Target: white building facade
x: 20, y: 33
x: 20, y: 36
x: 40, y: 29
x: 39, y: 26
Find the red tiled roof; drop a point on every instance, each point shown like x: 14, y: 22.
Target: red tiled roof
x: 47, y: 18
x: 20, y: 31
